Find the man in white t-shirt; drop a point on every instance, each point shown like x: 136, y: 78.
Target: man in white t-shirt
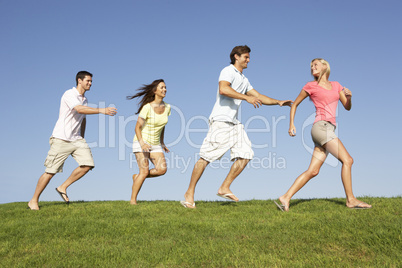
x: 225, y: 131
x: 68, y: 139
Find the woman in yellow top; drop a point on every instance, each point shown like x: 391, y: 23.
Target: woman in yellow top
x: 149, y: 133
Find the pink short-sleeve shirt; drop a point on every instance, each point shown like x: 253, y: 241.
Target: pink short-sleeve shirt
x: 325, y: 101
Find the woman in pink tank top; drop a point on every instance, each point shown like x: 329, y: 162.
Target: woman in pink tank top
x: 325, y: 96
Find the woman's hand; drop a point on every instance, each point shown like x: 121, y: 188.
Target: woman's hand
x: 292, y: 130
x: 285, y: 103
x: 347, y: 92
x: 345, y: 97
x: 165, y: 148
x: 145, y: 147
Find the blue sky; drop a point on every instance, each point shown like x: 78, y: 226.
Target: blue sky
x: 128, y: 43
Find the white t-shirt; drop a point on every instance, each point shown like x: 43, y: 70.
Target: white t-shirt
x: 68, y: 126
x: 225, y: 108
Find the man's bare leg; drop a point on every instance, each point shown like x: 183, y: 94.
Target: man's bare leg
x: 77, y: 174
x: 198, y: 170
x: 43, y: 181
x: 237, y: 167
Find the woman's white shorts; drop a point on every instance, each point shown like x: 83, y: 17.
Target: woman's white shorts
x: 154, y: 148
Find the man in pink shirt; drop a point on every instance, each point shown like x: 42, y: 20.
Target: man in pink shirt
x: 68, y: 138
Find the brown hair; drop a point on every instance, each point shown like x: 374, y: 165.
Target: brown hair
x: 81, y: 75
x: 148, y: 93
x: 238, y: 50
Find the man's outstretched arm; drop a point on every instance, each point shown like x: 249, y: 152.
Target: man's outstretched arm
x: 267, y: 100
x: 81, y: 109
x: 226, y: 90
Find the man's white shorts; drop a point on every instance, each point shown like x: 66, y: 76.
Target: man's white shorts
x: 223, y: 136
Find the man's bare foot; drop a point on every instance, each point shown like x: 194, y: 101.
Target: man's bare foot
x: 285, y: 203
x: 187, y: 204
x: 357, y: 204
x: 227, y: 194
x: 133, y: 203
x: 33, y: 205
x: 230, y: 197
x: 189, y: 201
x: 63, y: 194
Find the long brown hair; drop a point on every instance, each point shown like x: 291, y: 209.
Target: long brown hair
x: 148, y: 93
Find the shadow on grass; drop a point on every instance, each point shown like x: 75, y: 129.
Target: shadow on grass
x: 293, y: 203
x: 221, y: 203
x: 227, y: 203
x: 61, y: 203
x: 301, y: 201
x: 338, y: 202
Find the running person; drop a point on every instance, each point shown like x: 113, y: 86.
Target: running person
x: 148, y: 142
x: 325, y: 96
x: 68, y: 139
x: 225, y: 131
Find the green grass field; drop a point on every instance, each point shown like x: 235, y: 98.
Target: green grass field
x: 315, y: 233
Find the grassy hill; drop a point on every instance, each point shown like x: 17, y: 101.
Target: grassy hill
x: 315, y: 233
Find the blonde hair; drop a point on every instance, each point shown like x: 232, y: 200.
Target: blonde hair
x: 326, y: 72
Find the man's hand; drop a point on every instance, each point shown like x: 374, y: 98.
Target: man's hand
x: 254, y: 101
x: 109, y: 111
x: 285, y: 103
x: 89, y: 110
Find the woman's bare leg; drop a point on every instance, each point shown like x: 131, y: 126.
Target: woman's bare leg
x: 158, y: 159
x: 318, y: 158
x: 143, y: 165
x: 337, y: 149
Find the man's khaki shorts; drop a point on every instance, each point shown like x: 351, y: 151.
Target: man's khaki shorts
x: 60, y: 150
